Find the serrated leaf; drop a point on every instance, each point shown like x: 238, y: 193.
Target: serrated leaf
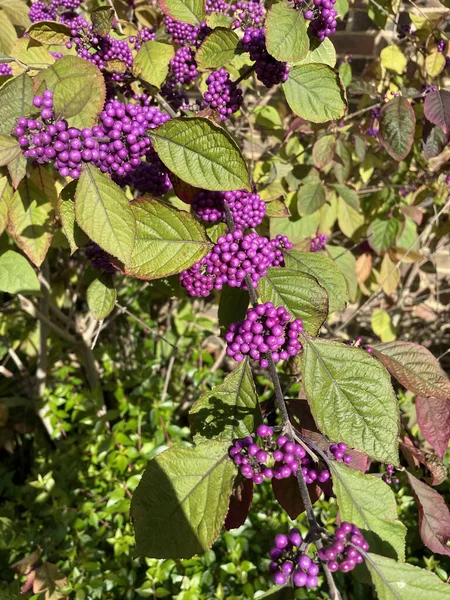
x: 310, y: 198
x: 78, y: 88
x: 348, y: 195
x: 16, y: 100
x: 299, y: 293
x: 351, y: 398
x: 9, y: 149
x: 103, y: 212
x: 101, y: 297
x: 397, y: 127
x: 187, y: 11
x: 167, y: 240
x: 6, y: 193
x: 49, y: 33
x: 393, y: 59
x: 323, y: 53
x: 401, y: 581
x: 414, y: 367
x: 8, y: 35
x: 325, y: 271
x: 433, y: 418
x: 346, y: 263
x: 381, y: 234
x: 102, y: 20
x: 17, y: 275
x: 286, y: 33
x: 217, y: 49
x: 151, y: 63
x: 323, y: 151
x: 230, y: 410
x: 437, y: 109
x: 434, y: 516
x: 16, y: 11
x: 201, y: 153
x: 181, y: 501
x: 314, y: 92
x: 382, y: 325
x: 17, y: 169
x: 49, y: 580
x: 233, y: 305
x: 31, y: 221
x: 66, y: 212
x: 435, y: 64
x: 32, y: 56
x: 349, y: 219
x: 369, y: 503
x: 389, y: 275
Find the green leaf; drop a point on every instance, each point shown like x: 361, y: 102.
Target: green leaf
x: 17, y: 275
x: 230, y: 410
x: 16, y: 11
x: 310, y: 198
x: 8, y: 34
x: 325, y: 271
x: 17, y: 169
x: 103, y: 212
x: 151, y: 63
x: 9, y: 149
x: 49, y: 33
x: 66, y: 210
x: 346, y: 263
x: 16, y: 100
x: 348, y: 195
x: 369, y: 503
x: 32, y: 54
x: 201, y: 154
x: 78, y: 88
x: 6, y: 193
x: 351, y: 398
x: 286, y: 33
x: 349, y: 219
x: 278, y: 592
x: 187, y: 11
x: 381, y: 234
x: 414, y: 367
x: 314, y: 92
x: 300, y: 293
x: 397, y: 127
x: 382, y: 325
x: 393, y: 59
x: 217, y: 49
x: 296, y: 229
x: 401, y: 581
x: 167, y: 240
x: 322, y: 53
x: 323, y: 151
x: 101, y: 297
x: 31, y: 221
x: 181, y: 501
x: 233, y: 305
x: 102, y: 20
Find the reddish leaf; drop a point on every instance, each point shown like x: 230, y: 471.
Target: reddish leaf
x: 288, y: 495
x: 183, y: 190
x: 437, y: 109
x: 415, y: 457
x: 397, y: 127
x: 27, y: 564
x: 240, y: 502
x: 433, y: 417
x: 413, y: 212
x: 434, y: 516
x: 414, y: 367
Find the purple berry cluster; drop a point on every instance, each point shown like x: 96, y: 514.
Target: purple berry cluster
x: 233, y: 258
x: 248, y: 13
x: 319, y: 242
x: 175, y: 95
x: 39, y: 11
x: 339, y: 452
x: 150, y: 176
x: 183, y: 68
x: 247, y: 209
x: 268, y: 70
x: 322, y: 17
x: 146, y: 34
x: 216, y: 6
x: 5, y: 69
x: 76, y: 23
x: 106, y: 49
x: 388, y: 475
x: 184, y: 33
x: 222, y: 95
x: 265, y: 329
x: 288, y: 561
x: 342, y: 555
x: 99, y: 258
x: 440, y: 47
x: 258, y: 457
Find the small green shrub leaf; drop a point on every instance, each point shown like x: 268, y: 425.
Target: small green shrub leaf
x: 230, y: 410
x: 369, y: 503
x: 66, y: 211
x: 314, y: 92
x: 102, y: 20
x: 286, y: 33
x: 351, y: 398
x: 103, y: 212
x: 300, y: 293
x: 151, y: 63
x: 181, y: 501
x: 381, y: 234
x: 49, y: 33
x: 101, y: 297
x: 16, y: 100
x: 17, y: 275
x: 201, y: 154
x: 217, y: 49
x: 9, y: 149
x: 310, y: 198
x: 188, y: 11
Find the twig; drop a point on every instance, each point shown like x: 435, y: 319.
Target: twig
x: 125, y: 310
x: 166, y: 105
x: 245, y: 74
x: 169, y: 373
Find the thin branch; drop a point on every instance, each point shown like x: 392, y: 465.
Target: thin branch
x: 166, y: 105
x: 245, y: 74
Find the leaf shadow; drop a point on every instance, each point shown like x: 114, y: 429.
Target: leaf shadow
x: 225, y: 417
